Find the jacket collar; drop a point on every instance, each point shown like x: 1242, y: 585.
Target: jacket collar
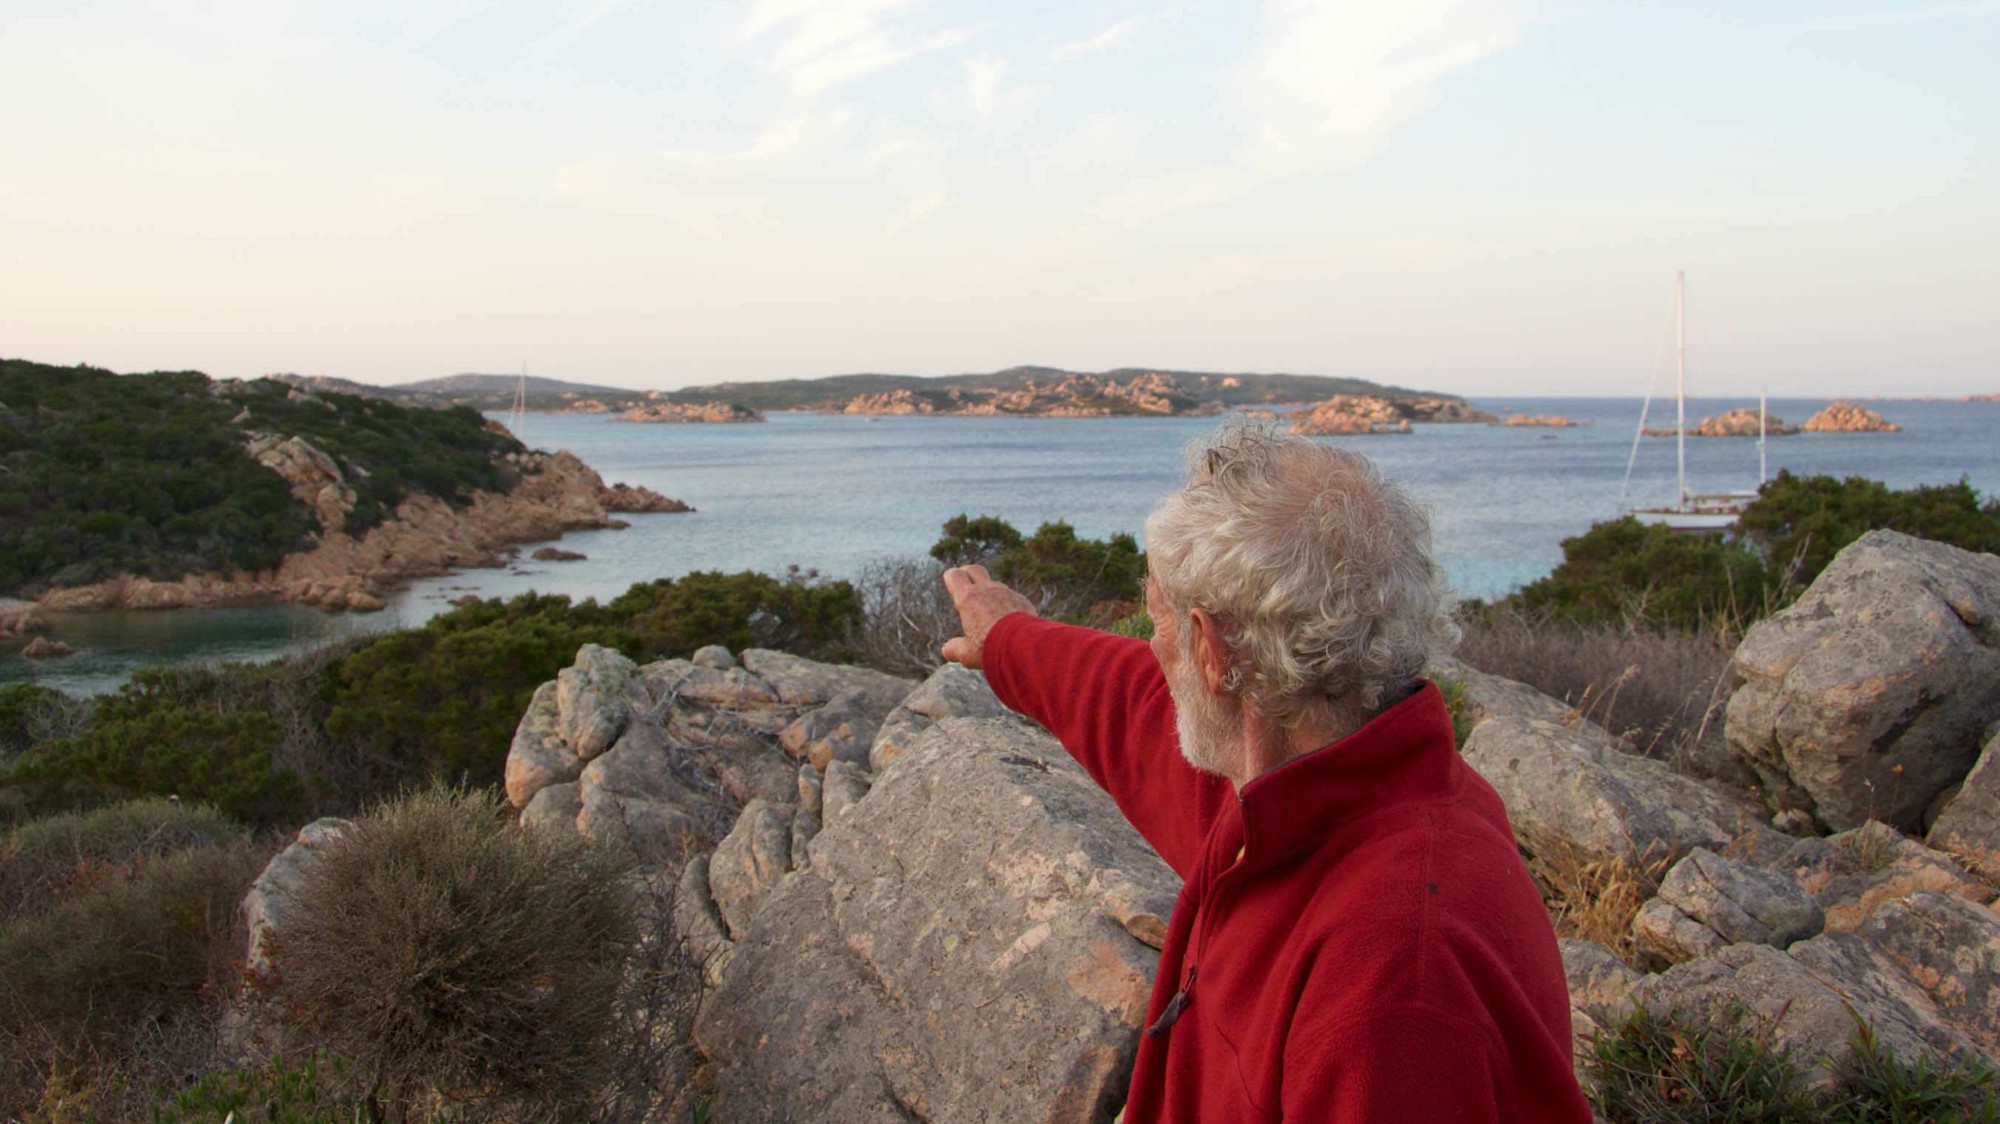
x: 1406, y: 754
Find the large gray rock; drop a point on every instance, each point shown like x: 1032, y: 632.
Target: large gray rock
x: 1857, y: 872
x: 555, y: 807
x: 594, y: 699
x: 951, y: 954
x: 1741, y: 902
x: 952, y: 691
x: 1969, y: 826
x: 268, y: 904
x: 1807, y: 1001
x: 749, y: 861
x: 805, y: 683
x: 1866, y: 699
x: 1946, y: 951
x: 1600, y: 987
x: 1574, y: 783
x: 539, y: 756
x: 1563, y: 777
x: 840, y: 729
x: 634, y: 796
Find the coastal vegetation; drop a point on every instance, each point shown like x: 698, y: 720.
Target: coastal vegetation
x: 149, y: 474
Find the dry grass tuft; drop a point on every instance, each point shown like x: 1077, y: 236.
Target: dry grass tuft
x: 1588, y: 897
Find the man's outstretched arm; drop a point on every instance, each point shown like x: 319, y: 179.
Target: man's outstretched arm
x: 1102, y: 696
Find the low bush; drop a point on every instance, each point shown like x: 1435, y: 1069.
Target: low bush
x: 117, y: 988
x: 907, y: 616
x: 44, y: 861
x: 278, y: 1092
x: 1665, y: 1068
x: 438, y: 950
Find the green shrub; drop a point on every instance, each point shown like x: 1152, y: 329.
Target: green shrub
x: 1665, y: 1068
x: 132, y: 950
x: 1801, y: 522
x: 440, y: 950
x: 1065, y: 575
x: 195, y: 732
x: 43, y: 860
x: 1627, y: 573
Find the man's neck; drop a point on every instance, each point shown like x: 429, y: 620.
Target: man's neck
x: 1266, y: 745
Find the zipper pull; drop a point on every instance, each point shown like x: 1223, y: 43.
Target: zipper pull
x: 1175, y: 1006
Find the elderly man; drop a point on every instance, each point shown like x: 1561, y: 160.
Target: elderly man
x: 1356, y: 939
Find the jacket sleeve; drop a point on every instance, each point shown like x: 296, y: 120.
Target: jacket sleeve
x: 1105, y: 699
x: 1395, y: 1063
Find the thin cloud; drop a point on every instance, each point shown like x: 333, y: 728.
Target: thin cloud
x: 819, y: 45
x: 1117, y: 35
x: 1324, y: 86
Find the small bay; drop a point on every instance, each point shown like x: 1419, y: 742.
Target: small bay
x: 833, y: 493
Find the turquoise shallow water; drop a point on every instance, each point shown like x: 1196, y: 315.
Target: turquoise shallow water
x: 834, y: 493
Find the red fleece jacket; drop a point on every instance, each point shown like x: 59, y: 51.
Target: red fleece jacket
x: 1356, y: 939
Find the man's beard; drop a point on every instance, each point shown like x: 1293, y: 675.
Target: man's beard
x: 1201, y: 721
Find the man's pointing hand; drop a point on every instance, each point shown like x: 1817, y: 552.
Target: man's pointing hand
x: 981, y: 602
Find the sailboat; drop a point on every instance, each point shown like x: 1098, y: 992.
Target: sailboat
x: 1695, y: 512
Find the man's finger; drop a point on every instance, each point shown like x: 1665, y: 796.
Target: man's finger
x: 960, y: 650
x: 977, y: 573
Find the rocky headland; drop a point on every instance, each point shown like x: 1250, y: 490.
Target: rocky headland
x: 711, y: 413
x: 908, y: 903
x: 1846, y: 417
x: 424, y: 537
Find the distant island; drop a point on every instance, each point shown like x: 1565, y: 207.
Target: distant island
x: 1841, y: 417
x: 710, y: 413
x: 1026, y: 391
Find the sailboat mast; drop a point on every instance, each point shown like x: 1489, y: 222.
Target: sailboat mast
x: 1763, y: 431
x: 1681, y: 383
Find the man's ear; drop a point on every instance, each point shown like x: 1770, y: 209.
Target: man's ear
x: 1211, y: 655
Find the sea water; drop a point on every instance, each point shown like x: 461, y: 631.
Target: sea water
x: 833, y: 493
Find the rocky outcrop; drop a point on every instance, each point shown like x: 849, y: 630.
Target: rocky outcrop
x: 659, y: 758
x: 1855, y: 873
x: 1969, y: 825
x: 1436, y: 409
x: 1846, y: 417
x: 1548, y: 421
x: 951, y: 691
x: 425, y: 537
x: 712, y: 413
x: 1345, y: 414
x: 960, y: 948
x: 632, y: 499
x: 267, y: 906
x: 1868, y: 697
x: 19, y: 618
x: 43, y: 648
x: 1742, y: 422
x: 1708, y: 901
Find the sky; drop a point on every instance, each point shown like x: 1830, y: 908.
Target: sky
x: 1475, y: 196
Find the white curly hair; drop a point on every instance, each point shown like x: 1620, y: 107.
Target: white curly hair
x: 1318, y: 569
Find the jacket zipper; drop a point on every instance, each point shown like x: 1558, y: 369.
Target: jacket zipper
x: 1185, y: 996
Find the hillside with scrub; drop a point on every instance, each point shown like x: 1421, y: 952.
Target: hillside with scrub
x: 171, y: 488
x: 724, y: 847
